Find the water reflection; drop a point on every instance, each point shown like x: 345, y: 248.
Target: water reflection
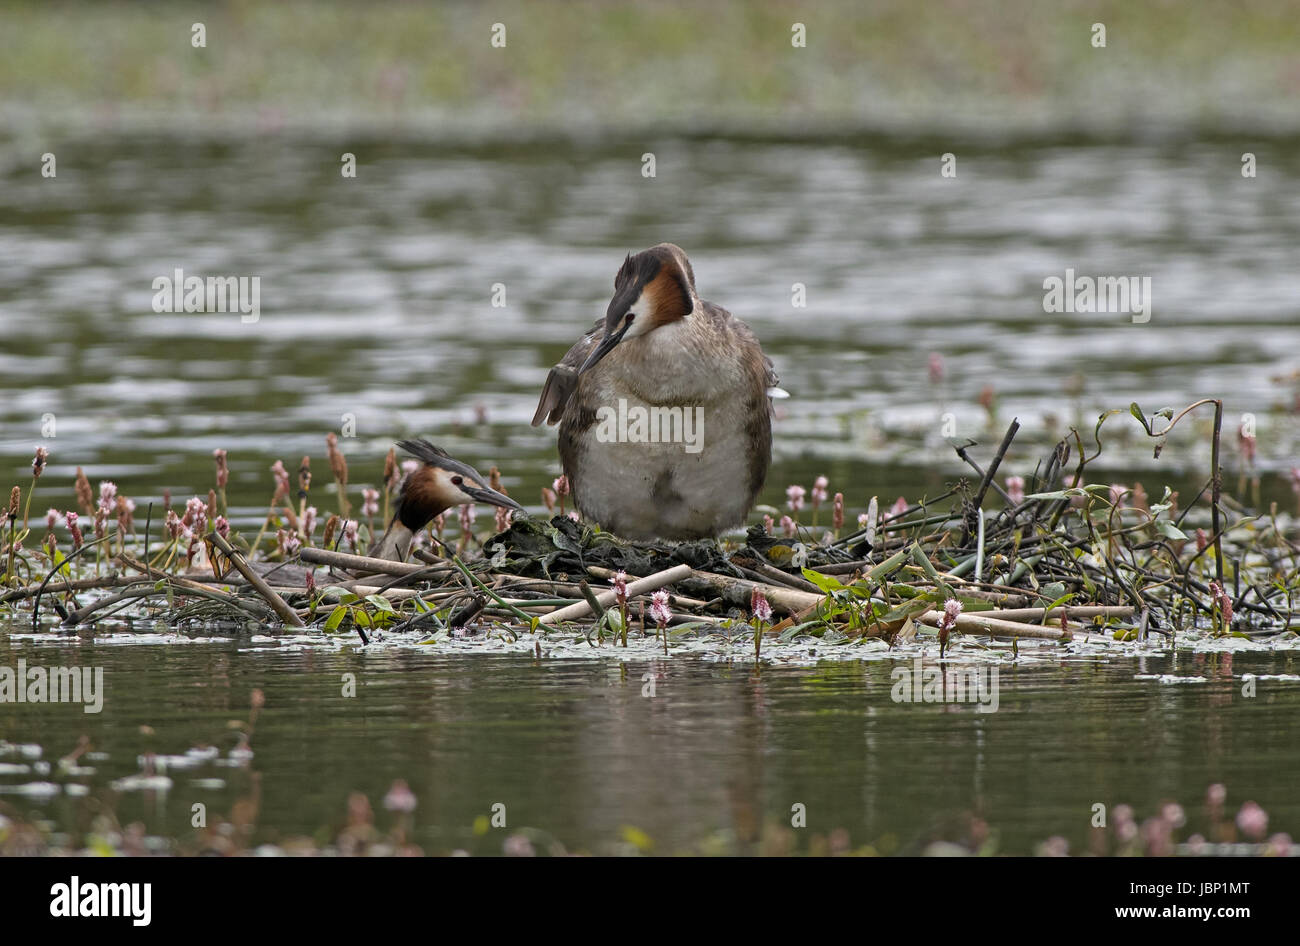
x: 716, y: 759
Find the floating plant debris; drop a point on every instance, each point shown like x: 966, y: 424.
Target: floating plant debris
x: 1049, y: 557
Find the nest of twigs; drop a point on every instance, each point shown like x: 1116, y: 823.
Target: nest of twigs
x: 1044, y: 562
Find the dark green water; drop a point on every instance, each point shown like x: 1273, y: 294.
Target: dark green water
x: 719, y: 753
x: 376, y: 298
x: 376, y: 307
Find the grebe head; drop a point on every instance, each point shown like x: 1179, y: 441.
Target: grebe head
x: 653, y: 288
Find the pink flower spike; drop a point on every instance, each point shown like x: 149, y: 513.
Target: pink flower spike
x: 1252, y: 820
x: 223, y: 471
x: 619, y: 581
x: 659, y: 610
x: 951, y: 608
x: 1223, y: 600
x: 794, y: 495
x: 71, y: 518
x: 107, y: 497
x: 819, y: 493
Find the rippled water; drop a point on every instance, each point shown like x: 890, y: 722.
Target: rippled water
x: 376, y: 305
x: 376, y: 294
x: 713, y: 761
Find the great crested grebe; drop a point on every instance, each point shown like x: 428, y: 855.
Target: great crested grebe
x: 663, y: 360
x: 440, y: 482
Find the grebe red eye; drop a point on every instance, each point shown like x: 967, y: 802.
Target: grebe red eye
x: 456, y: 481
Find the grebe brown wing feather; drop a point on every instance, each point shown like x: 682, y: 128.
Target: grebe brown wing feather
x: 563, y: 378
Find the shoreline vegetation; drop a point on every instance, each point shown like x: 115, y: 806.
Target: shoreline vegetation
x: 1019, y: 66
x: 1044, y: 558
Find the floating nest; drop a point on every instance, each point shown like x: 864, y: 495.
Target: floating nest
x: 1037, y: 561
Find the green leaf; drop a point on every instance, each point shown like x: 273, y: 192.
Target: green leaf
x: 827, y: 583
x: 336, y: 617
x: 1058, y: 601
x: 1168, y: 529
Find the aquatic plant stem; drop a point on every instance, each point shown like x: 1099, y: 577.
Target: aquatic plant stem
x: 527, y: 618
x: 36, y: 606
x: 978, y: 502
x: 1215, y: 492
x: 278, y: 604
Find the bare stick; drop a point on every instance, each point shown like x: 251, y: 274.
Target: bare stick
x: 990, y: 473
x: 1214, y: 496
x: 1082, y: 611
x: 81, y: 584
x: 361, y: 563
x: 737, y: 591
x: 606, y: 598
x: 973, y: 623
x: 287, y: 614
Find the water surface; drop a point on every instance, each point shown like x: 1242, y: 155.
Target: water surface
x: 377, y: 295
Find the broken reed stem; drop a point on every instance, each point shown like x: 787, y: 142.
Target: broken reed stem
x: 991, y: 472
x: 81, y: 584
x: 278, y: 604
x: 973, y: 623
x: 364, y: 564
x: 596, y: 608
x: 1216, y: 490
x: 738, y: 590
x: 606, y: 598
x: 1082, y: 611
x: 149, y: 590
x: 768, y: 573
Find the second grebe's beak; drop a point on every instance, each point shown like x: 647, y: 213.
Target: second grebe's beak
x: 485, y: 494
